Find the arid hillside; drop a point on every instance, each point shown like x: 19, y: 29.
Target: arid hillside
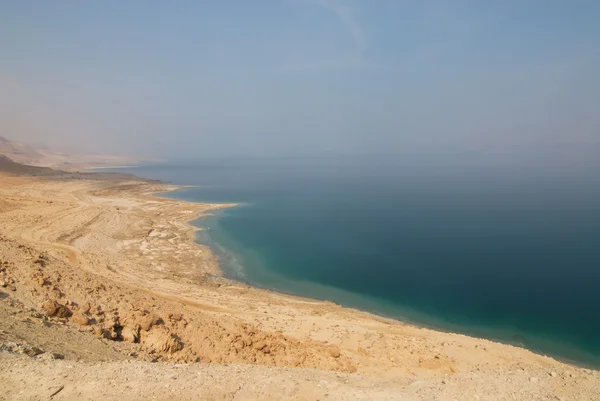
x: 42, y: 156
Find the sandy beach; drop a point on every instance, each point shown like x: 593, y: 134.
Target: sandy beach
x: 105, y: 293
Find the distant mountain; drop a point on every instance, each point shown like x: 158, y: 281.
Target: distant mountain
x: 44, y: 156
x: 8, y: 165
x: 20, y: 152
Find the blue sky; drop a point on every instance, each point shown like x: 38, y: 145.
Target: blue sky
x: 287, y: 77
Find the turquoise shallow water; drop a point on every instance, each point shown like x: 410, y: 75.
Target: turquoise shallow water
x: 498, y: 251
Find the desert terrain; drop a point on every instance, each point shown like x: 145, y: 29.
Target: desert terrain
x: 105, y: 294
x: 44, y: 156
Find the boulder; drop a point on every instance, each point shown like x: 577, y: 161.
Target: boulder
x: 131, y: 334
x: 85, y: 308
x: 162, y: 340
x: 80, y: 319
x: 147, y: 321
x: 53, y: 308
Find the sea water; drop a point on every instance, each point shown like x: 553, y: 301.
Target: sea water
x: 505, y: 251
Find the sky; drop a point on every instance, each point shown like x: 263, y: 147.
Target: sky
x: 300, y: 77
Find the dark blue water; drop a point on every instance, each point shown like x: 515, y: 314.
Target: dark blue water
x: 507, y: 251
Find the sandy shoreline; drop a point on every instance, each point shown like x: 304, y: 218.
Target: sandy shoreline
x: 172, y: 188
x: 109, y: 167
x: 124, y: 263
x: 215, y: 268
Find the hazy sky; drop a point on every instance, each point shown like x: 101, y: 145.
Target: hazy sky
x: 286, y: 77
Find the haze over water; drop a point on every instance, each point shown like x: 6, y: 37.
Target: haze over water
x: 504, y: 248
